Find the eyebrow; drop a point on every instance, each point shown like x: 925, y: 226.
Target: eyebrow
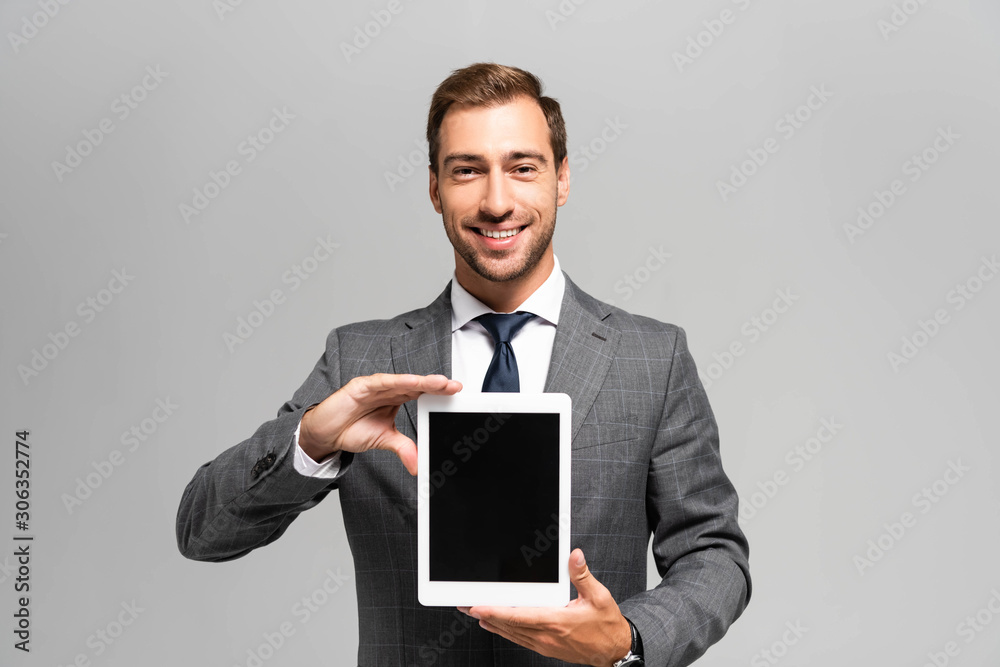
x: 506, y: 157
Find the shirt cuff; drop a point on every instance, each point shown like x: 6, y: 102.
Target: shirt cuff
x: 304, y: 465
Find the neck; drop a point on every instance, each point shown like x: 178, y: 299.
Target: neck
x: 506, y: 296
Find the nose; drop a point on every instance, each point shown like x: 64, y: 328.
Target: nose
x: 498, y: 200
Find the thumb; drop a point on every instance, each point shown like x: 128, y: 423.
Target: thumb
x: 404, y: 448
x: 580, y: 575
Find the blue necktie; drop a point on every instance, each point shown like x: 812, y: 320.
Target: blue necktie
x: 502, y: 373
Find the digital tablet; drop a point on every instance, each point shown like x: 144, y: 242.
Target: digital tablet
x: 493, y: 499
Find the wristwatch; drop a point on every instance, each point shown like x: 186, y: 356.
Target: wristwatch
x: 634, y: 656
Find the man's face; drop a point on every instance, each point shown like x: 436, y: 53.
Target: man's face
x: 496, y: 173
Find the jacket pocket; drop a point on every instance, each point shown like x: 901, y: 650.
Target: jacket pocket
x: 595, y: 435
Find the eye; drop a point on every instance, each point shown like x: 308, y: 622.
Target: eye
x: 525, y: 170
x: 463, y: 171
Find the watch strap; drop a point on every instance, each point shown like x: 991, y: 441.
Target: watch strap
x: 634, y: 657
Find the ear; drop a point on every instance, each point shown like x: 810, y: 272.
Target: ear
x: 434, y: 192
x: 562, y: 180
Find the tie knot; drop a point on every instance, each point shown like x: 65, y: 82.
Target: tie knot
x: 504, y: 326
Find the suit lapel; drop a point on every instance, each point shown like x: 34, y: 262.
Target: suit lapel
x: 425, y: 349
x: 581, y: 353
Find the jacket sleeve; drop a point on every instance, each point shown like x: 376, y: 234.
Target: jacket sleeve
x: 249, y: 494
x: 700, y: 551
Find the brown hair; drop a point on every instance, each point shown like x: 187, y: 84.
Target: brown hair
x: 487, y: 85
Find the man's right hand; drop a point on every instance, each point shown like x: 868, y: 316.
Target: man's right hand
x: 361, y: 415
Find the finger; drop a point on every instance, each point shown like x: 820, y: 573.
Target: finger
x: 385, y: 388
x: 408, y: 382
x: 515, y: 617
x: 404, y: 448
x: 440, y: 384
x: 518, y: 638
x: 585, y: 583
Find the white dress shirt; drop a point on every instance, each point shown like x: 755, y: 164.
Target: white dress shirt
x: 472, y: 350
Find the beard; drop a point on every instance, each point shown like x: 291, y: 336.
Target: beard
x: 501, y: 266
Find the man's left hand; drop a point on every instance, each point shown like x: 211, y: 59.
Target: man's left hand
x: 590, y: 630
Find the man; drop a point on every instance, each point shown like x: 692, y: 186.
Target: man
x: 645, y: 443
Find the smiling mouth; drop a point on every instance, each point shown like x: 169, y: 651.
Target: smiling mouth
x: 494, y: 234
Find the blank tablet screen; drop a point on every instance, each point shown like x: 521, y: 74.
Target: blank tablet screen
x: 494, y: 496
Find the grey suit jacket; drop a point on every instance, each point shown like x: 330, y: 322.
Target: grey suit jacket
x: 645, y: 463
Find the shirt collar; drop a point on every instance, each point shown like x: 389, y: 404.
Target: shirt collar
x: 544, y: 302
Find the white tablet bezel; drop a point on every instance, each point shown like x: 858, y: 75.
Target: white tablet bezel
x: 467, y: 594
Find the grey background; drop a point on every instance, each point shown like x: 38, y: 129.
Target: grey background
x: 681, y: 130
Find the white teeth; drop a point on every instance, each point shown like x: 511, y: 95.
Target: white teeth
x: 500, y: 235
